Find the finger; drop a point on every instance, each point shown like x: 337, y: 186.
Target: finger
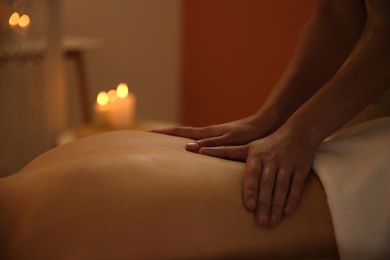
x: 189, y: 132
x: 193, y: 147
x: 295, y: 192
x: 207, y: 142
x: 266, y: 188
x: 215, y: 141
x: 252, y: 176
x: 237, y: 153
x: 167, y: 131
x: 280, y: 192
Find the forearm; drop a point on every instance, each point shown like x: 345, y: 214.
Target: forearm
x: 353, y: 88
x: 327, y: 40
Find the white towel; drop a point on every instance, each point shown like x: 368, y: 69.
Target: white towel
x: 354, y: 167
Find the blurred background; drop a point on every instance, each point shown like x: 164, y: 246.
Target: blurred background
x: 189, y: 62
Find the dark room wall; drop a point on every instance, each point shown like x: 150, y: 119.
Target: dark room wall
x: 233, y: 52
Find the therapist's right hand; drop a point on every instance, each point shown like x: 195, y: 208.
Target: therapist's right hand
x: 276, y: 170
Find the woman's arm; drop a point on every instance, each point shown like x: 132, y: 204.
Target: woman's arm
x: 278, y: 165
x: 354, y: 87
x: 280, y: 162
x: 327, y: 40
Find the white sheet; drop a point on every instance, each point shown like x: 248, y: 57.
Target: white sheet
x: 354, y: 167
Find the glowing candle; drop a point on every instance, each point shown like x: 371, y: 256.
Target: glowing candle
x: 115, y: 109
x: 124, y: 107
x: 102, y: 109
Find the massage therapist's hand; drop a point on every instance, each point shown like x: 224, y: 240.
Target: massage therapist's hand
x: 233, y: 133
x: 276, y: 169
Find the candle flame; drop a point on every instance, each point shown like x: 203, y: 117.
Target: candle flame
x: 112, y: 96
x: 24, y: 21
x: 14, y: 19
x: 122, y: 90
x: 102, y: 98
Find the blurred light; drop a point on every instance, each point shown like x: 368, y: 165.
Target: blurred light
x: 102, y: 98
x: 14, y: 19
x: 24, y: 21
x: 122, y: 90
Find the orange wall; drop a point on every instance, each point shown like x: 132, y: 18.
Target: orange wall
x: 234, y: 51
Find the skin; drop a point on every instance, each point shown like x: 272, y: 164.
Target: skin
x: 138, y: 195
x: 319, y: 93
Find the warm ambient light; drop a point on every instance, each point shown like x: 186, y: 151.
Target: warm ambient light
x: 122, y: 90
x: 24, y: 21
x: 14, y: 19
x: 102, y: 98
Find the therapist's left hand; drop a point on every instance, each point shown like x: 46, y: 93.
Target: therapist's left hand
x: 276, y: 169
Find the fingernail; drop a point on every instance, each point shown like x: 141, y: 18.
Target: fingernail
x: 263, y: 218
x: 192, y: 147
x: 251, y: 203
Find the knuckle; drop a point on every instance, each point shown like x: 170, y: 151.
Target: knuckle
x: 271, y: 156
x: 251, y: 182
x: 301, y: 164
x: 252, y: 175
x: 253, y: 172
x: 298, y: 181
x: 267, y: 179
x: 208, y: 142
x: 212, y: 130
x: 253, y: 151
x: 204, y: 142
x: 282, y: 183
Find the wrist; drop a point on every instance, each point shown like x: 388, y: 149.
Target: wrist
x: 312, y: 136
x: 270, y: 117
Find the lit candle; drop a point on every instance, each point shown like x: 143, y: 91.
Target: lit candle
x: 102, y: 109
x: 115, y: 109
x: 124, y: 107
